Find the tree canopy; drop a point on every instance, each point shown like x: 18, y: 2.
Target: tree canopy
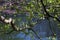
x: 29, y: 18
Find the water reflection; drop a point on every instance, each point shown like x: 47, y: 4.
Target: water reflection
x: 42, y: 29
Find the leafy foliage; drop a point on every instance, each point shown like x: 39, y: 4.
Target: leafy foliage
x: 29, y: 12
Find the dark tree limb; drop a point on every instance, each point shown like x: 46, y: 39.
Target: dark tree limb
x: 47, y: 13
x: 34, y: 33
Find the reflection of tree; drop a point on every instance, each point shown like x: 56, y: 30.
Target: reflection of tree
x: 15, y: 28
